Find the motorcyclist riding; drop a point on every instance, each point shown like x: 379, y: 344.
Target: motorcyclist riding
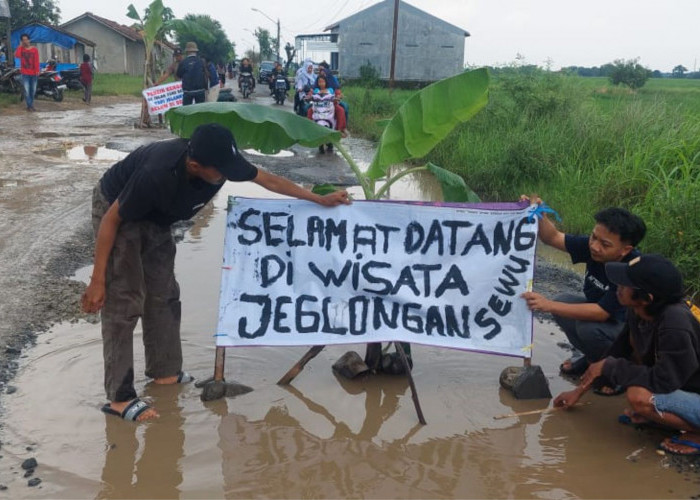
x: 277, y: 70
x: 305, y: 80
x: 246, y: 67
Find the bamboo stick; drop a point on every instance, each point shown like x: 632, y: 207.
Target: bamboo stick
x: 535, y: 412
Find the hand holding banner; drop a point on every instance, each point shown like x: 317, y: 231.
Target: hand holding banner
x: 295, y: 274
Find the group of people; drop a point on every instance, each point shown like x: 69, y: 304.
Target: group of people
x: 631, y: 329
x: 310, y: 86
x: 201, y: 78
x: 30, y: 68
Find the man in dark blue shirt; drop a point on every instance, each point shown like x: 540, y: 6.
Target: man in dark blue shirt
x: 134, y: 205
x: 592, y: 320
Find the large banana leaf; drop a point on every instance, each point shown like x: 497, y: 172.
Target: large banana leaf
x: 267, y: 129
x: 428, y: 117
x: 454, y: 189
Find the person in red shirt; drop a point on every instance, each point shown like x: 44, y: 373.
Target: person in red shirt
x: 29, y: 68
x: 86, y: 78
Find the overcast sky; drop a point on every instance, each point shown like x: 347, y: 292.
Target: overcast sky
x: 563, y: 32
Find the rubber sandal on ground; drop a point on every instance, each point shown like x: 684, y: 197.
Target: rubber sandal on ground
x: 683, y: 442
x: 617, y: 390
x: 648, y: 424
x: 578, y: 366
x: 184, y: 377
x: 132, y: 412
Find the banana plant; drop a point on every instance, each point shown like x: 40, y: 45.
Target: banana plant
x: 152, y: 26
x: 421, y: 123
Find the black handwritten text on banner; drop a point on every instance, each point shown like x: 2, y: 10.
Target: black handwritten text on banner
x: 295, y: 273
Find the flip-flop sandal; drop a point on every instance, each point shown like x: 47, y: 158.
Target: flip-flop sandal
x: 616, y: 391
x: 578, y: 367
x: 184, y: 377
x: 649, y: 424
x: 131, y: 412
x: 682, y: 442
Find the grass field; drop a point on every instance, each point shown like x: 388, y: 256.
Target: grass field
x: 117, y: 84
x: 582, y: 145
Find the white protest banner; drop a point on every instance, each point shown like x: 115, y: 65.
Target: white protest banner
x: 296, y: 273
x: 163, y: 97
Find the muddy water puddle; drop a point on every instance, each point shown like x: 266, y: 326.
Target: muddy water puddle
x: 321, y: 437
x: 83, y: 153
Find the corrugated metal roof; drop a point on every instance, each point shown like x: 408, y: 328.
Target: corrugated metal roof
x: 125, y: 31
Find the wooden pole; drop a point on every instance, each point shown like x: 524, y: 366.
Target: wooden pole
x: 536, y: 412
x: 414, y: 393
x: 299, y: 366
x: 219, y: 364
x: 393, y: 44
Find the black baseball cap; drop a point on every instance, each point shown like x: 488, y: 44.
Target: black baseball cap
x: 213, y: 145
x: 652, y: 273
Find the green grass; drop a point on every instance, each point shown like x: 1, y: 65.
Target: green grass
x: 111, y: 84
x: 582, y: 145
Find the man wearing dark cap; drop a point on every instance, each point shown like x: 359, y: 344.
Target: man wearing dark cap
x: 134, y: 205
x: 656, y: 358
x: 172, y: 69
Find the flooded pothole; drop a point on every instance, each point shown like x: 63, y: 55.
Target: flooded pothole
x: 282, y: 154
x: 11, y: 183
x: 88, y: 152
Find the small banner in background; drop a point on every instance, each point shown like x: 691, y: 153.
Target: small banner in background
x: 295, y: 273
x: 163, y: 97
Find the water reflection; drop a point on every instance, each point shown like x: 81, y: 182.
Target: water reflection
x: 156, y: 472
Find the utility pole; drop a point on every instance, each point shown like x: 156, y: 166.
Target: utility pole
x: 393, y: 44
x: 278, y: 39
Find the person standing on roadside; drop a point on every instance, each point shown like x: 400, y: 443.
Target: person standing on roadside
x: 86, y: 74
x: 134, y: 205
x: 214, y: 88
x: 172, y: 69
x: 193, y: 74
x: 29, y: 68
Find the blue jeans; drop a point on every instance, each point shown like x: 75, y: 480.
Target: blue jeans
x: 29, y: 83
x: 685, y: 405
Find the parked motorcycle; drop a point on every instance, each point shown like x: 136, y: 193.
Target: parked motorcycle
x: 280, y: 89
x: 246, y: 84
x: 71, y: 78
x: 50, y: 84
x: 10, y: 80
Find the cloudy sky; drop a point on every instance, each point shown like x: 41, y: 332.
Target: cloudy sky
x: 559, y: 32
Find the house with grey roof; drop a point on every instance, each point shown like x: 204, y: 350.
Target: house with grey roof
x: 427, y: 48
x: 119, y: 48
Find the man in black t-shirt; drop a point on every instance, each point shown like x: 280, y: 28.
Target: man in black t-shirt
x: 592, y: 320
x: 134, y: 205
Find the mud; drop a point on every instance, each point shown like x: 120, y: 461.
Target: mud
x: 320, y: 437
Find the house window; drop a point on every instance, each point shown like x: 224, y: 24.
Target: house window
x: 447, y: 46
x: 411, y: 45
x: 366, y: 43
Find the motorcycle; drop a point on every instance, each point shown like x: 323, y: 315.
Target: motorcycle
x: 323, y: 113
x: 71, y: 78
x: 280, y: 89
x: 50, y: 84
x: 10, y: 80
x: 246, y: 84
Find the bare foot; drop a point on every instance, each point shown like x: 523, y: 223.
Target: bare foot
x: 149, y: 414
x: 685, y: 444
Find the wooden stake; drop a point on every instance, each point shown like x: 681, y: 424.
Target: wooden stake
x: 219, y: 364
x: 414, y: 393
x: 535, y: 412
x: 297, y: 368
